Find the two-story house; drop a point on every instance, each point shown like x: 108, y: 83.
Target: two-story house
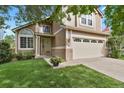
x: 79, y: 37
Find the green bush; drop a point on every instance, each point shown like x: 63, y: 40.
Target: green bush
x: 122, y: 56
x: 115, y: 54
x: 28, y: 55
x: 24, y: 55
x: 114, y: 44
x: 56, y: 60
x: 19, y: 56
x: 5, y: 52
x: 13, y: 54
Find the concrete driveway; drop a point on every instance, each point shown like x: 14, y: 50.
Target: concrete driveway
x: 109, y: 66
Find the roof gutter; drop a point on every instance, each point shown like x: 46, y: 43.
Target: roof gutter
x: 86, y: 31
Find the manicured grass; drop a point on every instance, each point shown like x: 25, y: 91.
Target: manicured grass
x: 37, y: 73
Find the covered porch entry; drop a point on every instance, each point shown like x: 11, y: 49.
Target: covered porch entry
x: 43, y: 45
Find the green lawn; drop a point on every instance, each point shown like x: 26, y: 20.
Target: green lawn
x: 37, y: 73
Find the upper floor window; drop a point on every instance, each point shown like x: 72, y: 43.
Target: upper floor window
x: 46, y: 29
x: 86, y: 20
x: 83, y: 19
x: 26, y: 39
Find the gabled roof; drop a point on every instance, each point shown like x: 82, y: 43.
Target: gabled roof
x: 99, y: 12
x: 22, y: 26
x: 28, y: 24
x: 31, y: 23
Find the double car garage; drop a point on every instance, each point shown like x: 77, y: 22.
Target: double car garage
x: 85, y: 46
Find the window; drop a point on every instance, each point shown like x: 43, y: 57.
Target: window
x: 30, y: 42
x: 86, y: 40
x: 22, y: 42
x: 69, y: 18
x: 83, y: 19
x: 93, y: 41
x: 100, y: 41
x: 46, y: 29
x: 77, y: 39
x: 87, y: 20
x: 26, y: 38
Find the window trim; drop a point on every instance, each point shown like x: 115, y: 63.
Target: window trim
x: 87, y: 21
x: 19, y: 36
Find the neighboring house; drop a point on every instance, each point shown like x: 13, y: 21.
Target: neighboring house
x: 79, y: 37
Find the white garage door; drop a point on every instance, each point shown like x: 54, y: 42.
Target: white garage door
x: 87, y: 48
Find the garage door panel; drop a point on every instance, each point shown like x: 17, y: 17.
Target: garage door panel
x: 86, y: 49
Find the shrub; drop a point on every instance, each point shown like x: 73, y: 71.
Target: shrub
x: 122, y: 56
x: 19, y: 56
x: 5, y: 52
x: 24, y: 55
x: 115, y: 54
x: 56, y: 60
x: 28, y: 55
x: 114, y: 46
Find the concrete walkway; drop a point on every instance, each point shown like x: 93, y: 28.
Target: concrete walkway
x: 109, y: 66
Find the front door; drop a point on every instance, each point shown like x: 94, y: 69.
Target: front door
x: 46, y: 46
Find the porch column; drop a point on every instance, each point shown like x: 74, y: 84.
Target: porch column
x: 36, y: 46
x: 37, y: 49
x: 37, y: 41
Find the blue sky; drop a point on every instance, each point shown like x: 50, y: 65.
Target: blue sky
x: 13, y: 25
x: 11, y: 22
